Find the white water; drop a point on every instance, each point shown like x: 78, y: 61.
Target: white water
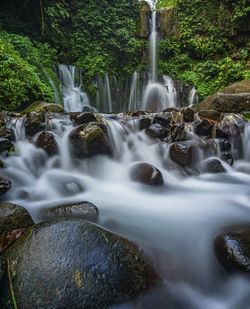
x: 176, y: 223
x: 74, y: 98
x: 153, y: 46
x: 193, y: 98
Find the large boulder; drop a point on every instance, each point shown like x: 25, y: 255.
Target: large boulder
x: 90, y: 140
x: 147, y: 174
x: 14, y: 220
x: 181, y: 154
x: 230, y: 103
x: 83, y: 210
x: 238, y: 87
x: 73, y: 264
x: 232, y: 249
x: 5, y: 185
x: 44, y: 107
x: 46, y: 141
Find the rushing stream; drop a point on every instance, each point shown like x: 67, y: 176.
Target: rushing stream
x: 175, y: 223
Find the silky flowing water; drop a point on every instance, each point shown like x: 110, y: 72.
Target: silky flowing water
x: 175, y: 224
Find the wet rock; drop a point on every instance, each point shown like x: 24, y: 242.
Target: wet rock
x: 84, y: 118
x: 224, y: 145
x: 188, y: 114
x: 6, y: 146
x: 13, y: 217
x: 144, y: 123
x: 90, y: 140
x: 164, y: 120
x: 157, y: 131
x: 83, y: 210
x: 46, y: 141
x: 210, y: 115
x: 44, y: 107
x: 170, y: 109
x: 5, y: 185
x: 178, y: 133
x: 147, y: 174
x: 203, y: 128
x: 138, y: 113
x: 35, y: 123
x: 232, y: 249
x: 7, y: 133
x: 74, y: 264
x: 212, y: 166
x: 181, y: 154
x: 222, y: 134
x: 14, y: 220
x: 227, y: 157
x: 227, y: 103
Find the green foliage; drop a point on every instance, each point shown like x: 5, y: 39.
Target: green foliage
x: 209, y: 49
x: 25, y: 72
x: 166, y: 3
x: 101, y: 35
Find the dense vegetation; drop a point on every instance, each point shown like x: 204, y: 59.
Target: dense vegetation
x: 210, y: 46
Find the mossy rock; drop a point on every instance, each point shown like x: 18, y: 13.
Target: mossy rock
x: 73, y: 264
x: 44, y: 107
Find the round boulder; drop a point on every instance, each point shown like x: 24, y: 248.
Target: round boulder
x: 188, y: 114
x: 73, y: 264
x: 14, y: 220
x: 84, y: 118
x: 211, y: 115
x: 203, y: 128
x: 158, y: 131
x: 232, y: 249
x: 90, y: 140
x: 83, y: 210
x: 212, y: 166
x: 181, y: 154
x: 47, y: 142
x: 146, y: 174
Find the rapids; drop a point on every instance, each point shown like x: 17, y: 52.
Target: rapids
x: 176, y: 223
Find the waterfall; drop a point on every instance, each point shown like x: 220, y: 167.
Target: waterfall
x: 171, y: 91
x: 193, y: 98
x: 74, y: 98
x: 153, y: 47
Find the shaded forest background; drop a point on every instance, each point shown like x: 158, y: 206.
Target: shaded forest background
x: 209, y: 47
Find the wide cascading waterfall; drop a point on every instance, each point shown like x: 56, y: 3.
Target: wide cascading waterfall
x: 74, y: 98
x: 175, y: 223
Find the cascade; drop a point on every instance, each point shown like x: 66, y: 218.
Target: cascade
x: 74, y: 98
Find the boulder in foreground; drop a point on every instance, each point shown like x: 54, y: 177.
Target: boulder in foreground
x: 232, y: 249
x: 73, y: 264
